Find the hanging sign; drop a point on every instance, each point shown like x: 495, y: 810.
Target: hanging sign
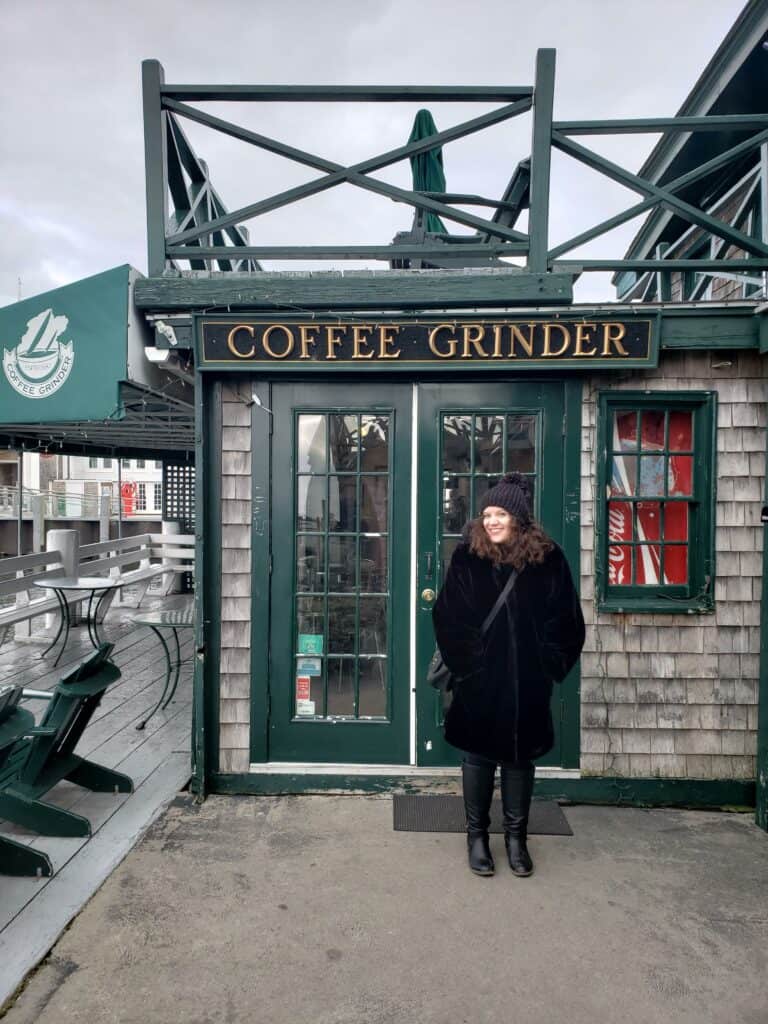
x: 536, y: 342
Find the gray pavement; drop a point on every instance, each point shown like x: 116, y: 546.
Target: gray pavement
x: 311, y: 909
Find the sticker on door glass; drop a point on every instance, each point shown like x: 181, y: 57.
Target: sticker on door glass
x: 304, y: 706
x: 310, y: 643
x: 309, y: 666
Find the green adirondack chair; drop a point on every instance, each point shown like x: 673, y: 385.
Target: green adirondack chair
x: 45, y: 756
x: 15, y: 722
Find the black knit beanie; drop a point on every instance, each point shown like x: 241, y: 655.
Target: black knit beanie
x: 513, y: 494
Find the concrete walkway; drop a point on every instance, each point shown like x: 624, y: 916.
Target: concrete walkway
x: 311, y: 909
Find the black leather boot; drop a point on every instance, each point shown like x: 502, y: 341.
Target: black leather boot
x: 477, y: 781
x: 516, y: 793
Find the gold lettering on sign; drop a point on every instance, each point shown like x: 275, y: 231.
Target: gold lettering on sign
x: 432, y: 342
x: 582, y: 338
x: 358, y: 339
x: 288, y: 340
x: 496, y: 354
x: 473, y: 335
x: 548, y: 328
x: 518, y: 336
x: 612, y: 335
x: 231, y: 341
x: 306, y: 339
x: 386, y: 341
x: 332, y: 341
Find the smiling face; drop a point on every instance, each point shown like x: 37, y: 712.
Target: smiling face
x: 498, y: 524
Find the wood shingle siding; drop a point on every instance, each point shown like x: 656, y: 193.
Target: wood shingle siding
x: 676, y: 695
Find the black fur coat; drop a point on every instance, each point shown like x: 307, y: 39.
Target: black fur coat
x: 500, y: 706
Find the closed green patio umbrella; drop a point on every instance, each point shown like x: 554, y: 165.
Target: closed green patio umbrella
x: 427, y: 168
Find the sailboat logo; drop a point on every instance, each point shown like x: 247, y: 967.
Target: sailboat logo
x: 40, y: 363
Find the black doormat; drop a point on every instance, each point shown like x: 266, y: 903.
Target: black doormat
x: 440, y: 813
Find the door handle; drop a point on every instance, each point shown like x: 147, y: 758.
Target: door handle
x: 429, y: 560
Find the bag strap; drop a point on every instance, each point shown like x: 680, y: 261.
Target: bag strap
x: 499, y: 601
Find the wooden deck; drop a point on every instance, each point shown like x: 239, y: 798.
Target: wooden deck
x: 34, y: 912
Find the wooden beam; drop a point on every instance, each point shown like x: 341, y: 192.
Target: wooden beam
x: 391, y: 289
x: 541, y: 158
x: 356, y: 252
x: 349, y: 93
x: 155, y: 164
x: 640, y: 125
x: 734, y: 266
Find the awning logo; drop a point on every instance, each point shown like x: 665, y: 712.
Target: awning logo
x: 40, y: 363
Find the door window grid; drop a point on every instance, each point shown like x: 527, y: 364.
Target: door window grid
x: 651, y: 501
x: 476, y: 451
x: 341, y: 578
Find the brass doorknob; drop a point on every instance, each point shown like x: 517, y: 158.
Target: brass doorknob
x: 428, y: 595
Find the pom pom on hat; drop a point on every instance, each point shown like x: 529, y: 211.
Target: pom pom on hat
x: 513, y: 494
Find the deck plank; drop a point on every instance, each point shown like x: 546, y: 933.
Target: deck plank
x: 33, y: 912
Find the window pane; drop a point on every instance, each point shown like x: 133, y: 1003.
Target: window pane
x: 310, y: 623
x: 489, y: 441
x: 455, y: 503
x: 651, y: 475
x: 341, y: 625
x: 483, y: 484
x: 310, y: 514
x: 680, y: 474
x: 310, y: 572
x: 373, y: 688
x: 342, y: 563
x: 373, y: 564
x: 309, y: 687
x: 619, y: 565
x: 652, y: 430
x: 345, y: 440
x: 675, y: 563
x: 675, y: 520
x: 373, y: 625
x: 374, y: 441
x: 681, y: 431
x: 457, y: 432
x: 342, y: 503
x: 648, y: 563
x: 624, y: 431
x: 521, y: 444
x: 311, y: 437
x: 623, y: 475
x: 648, y: 525
x: 374, y: 493
x: 341, y: 687
x: 449, y: 546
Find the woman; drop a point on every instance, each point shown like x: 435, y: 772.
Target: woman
x: 500, y: 710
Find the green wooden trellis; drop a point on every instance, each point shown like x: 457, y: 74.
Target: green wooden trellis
x: 202, y: 232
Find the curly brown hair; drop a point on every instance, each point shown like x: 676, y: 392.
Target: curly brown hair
x: 529, y: 545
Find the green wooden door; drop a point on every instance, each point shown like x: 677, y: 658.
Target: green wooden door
x: 469, y: 434
x: 341, y: 528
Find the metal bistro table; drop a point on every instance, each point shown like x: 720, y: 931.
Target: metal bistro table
x: 173, y: 620
x: 61, y: 585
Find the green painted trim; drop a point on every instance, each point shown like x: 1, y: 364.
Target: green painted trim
x: 632, y: 126
x: 617, y: 792
x: 349, y: 93
x: 664, y: 600
x: 541, y: 159
x: 261, y: 568
x: 570, y: 703
x: 761, y: 811
x: 202, y: 635
x: 156, y: 164
x: 393, y: 289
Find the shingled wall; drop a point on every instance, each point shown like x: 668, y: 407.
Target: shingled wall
x: 676, y: 695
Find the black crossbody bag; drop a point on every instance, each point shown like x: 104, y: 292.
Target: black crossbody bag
x: 439, y: 676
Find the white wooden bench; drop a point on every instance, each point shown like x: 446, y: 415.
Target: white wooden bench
x: 129, y: 561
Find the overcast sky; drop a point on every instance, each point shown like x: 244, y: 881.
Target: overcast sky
x: 71, y: 145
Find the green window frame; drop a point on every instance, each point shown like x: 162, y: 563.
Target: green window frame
x: 653, y: 494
